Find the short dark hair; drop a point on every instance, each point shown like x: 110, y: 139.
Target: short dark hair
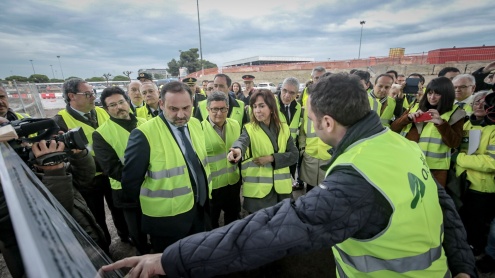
x: 71, y: 86
x: 443, y: 86
x: 229, y: 81
x: 421, y: 78
x: 382, y: 75
x: 394, y: 72
x: 401, y: 75
x: 445, y: 70
x: 270, y: 101
x: 110, y: 91
x: 363, y: 75
x: 175, y: 87
x: 338, y: 94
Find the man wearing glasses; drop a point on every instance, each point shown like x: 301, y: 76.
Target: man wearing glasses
x: 291, y: 111
x: 220, y: 134
x: 81, y: 112
x: 222, y: 83
x: 464, y: 85
x: 110, y: 140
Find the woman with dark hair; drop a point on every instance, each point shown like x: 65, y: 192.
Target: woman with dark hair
x: 236, y: 89
x: 436, y: 124
x: 267, y: 150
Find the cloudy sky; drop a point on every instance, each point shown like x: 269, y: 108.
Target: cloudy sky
x: 93, y: 37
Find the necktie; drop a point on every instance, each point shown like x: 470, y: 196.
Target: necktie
x: 93, y: 122
x: 287, y: 112
x: 195, y: 166
x: 461, y: 104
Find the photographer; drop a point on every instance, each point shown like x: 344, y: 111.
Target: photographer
x: 62, y: 180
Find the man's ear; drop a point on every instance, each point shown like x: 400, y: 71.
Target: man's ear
x: 328, y: 123
x: 161, y: 104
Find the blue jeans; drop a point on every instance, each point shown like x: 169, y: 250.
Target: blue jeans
x: 490, y: 247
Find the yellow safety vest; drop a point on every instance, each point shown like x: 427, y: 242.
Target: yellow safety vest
x: 387, y: 114
x: 222, y: 171
x: 430, y: 141
x: 411, y: 245
x: 117, y: 137
x: 480, y: 165
x: 71, y: 123
x: 314, y: 146
x: 304, y: 97
x: 295, y: 124
x: 237, y: 111
x: 259, y: 180
x: 167, y: 189
x: 142, y: 112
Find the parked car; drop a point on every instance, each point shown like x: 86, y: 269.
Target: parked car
x: 267, y: 85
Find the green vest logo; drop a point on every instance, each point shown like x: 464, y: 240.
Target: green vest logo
x: 417, y: 189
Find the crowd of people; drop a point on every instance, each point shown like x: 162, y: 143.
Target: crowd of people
x: 374, y: 161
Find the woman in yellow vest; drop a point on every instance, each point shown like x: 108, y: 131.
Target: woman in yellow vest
x: 438, y: 135
x: 477, y: 159
x: 267, y: 150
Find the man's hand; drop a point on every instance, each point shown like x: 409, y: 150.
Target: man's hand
x: 462, y: 275
x: 141, y: 266
x: 262, y: 160
x: 40, y: 149
x: 234, y: 155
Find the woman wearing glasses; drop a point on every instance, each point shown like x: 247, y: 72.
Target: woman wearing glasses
x: 477, y: 160
x: 267, y: 150
x: 436, y: 124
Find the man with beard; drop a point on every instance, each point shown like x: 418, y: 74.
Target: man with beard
x: 109, y: 143
x: 165, y: 170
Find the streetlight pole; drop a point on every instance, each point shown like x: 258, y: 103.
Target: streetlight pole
x: 200, y: 48
x: 361, y: 37
x: 51, y: 66
x: 32, y: 65
x: 60, y: 64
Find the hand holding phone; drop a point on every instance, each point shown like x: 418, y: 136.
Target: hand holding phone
x: 423, y: 117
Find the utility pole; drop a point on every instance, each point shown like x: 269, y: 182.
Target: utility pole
x: 361, y: 37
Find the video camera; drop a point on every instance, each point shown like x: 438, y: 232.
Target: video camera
x: 30, y: 130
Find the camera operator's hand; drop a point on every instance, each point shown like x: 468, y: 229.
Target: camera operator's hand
x: 40, y: 149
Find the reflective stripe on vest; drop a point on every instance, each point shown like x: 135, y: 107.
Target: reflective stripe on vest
x: 436, y: 151
x: 314, y: 146
x: 116, y: 136
x: 167, y: 189
x: 259, y: 180
x: 411, y: 244
x: 223, y: 172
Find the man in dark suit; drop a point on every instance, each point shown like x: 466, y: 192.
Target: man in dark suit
x: 165, y: 170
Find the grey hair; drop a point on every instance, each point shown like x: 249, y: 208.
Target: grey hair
x: 149, y: 83
x: 291, y: 81
x: 318, y: 69
x: 217, y: 96
x: 465, y: 75
x: 71, y: 86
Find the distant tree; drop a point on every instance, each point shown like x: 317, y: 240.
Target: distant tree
x: 158, y: 76
x: 107, y: 77
x: 55, y: 80
x: 173, y: 67
x: 38, y: 78
x: 120, y: 78
x: 16, y: 78
x: 190, y: 60
x: 128, y: 74
x: 95, y: 79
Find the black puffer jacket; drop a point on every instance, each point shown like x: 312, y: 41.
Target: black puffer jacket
x: 345, y: 205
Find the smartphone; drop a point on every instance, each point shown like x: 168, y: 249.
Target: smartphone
x: 423, y: 117
x: 411, y: 86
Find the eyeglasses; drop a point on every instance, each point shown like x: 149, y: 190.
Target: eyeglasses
x: 216, y: 109
x: 284, y: 91
x: 87, y: 94
x: 115, y: 104
x: 462, y: 87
